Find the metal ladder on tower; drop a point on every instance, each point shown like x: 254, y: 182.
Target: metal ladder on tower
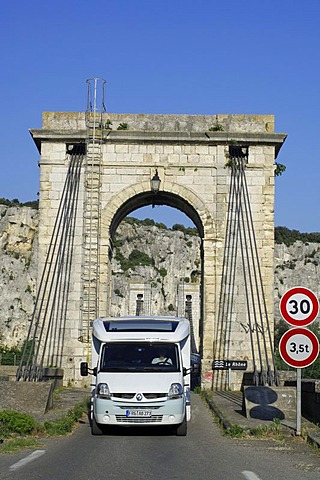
x: 90, y: 268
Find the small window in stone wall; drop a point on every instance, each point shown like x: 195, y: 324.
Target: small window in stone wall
x: 139, y: 304
x: 188, y: 307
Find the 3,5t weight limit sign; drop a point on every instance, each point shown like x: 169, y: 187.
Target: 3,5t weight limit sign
x: 299, y: 306
x: 299, y: 347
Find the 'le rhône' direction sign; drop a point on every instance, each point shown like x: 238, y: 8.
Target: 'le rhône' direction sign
x: 229, y: 364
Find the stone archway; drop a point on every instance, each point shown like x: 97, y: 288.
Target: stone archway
x: 186, y: 201
x: 171, y: 194
x: 191, y: 154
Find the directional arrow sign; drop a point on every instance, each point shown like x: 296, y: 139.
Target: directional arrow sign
x: 299, y: 347
x: 299, y: 306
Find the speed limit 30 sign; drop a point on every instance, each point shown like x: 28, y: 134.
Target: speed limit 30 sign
x: 299, y: 347
x: 299, y: 306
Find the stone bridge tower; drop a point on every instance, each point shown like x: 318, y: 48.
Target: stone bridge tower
x: 192, y: 155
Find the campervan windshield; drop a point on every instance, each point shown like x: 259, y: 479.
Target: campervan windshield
x: 140, y: 357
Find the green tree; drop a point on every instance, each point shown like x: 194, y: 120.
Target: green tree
x: 288, y: 237
x: 140, y: 258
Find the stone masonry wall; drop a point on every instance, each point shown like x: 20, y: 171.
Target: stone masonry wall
x: 191, y: 162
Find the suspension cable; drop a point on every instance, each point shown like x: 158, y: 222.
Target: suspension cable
x: 66, y: 242
x: 259, y: 283
x: 36, y: 371
x: 31, y: 370
x: 34, y: 324
x: 227, y: 280
x: 246, y: 234
x: 240, y: 233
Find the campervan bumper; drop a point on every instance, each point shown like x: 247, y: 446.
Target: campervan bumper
x: 167, y: 412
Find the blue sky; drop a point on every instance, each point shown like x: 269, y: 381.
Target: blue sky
x: 173, y: 56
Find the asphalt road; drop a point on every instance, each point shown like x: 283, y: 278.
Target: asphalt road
x: 153, y: 455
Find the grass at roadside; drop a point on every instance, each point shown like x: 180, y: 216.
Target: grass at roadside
x: 17, y: 444
x: 65, y: 424
x: 273, y: 430
x: 20, y: 430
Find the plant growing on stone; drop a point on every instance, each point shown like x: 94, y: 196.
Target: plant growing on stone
x: 163, y: 272
x: 216, y: 128
x: 118, y: 293
x: 280, y: 168
x: 290, y: 264
x: 123, y: 126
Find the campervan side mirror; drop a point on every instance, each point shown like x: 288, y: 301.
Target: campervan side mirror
x: 84, y: 369
x: 195, y: 369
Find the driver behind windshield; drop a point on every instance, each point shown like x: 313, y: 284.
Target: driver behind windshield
x: 162, y: 359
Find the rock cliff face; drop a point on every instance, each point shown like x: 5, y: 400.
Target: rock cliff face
x: 158, y: 257
x: 296, y: 265
x: 18, y: 272
x: 151, y: 254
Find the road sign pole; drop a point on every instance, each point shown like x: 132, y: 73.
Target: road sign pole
x: 299, y: 347
x: 298, y: 429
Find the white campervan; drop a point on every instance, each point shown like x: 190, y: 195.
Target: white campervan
x: 141, y: 372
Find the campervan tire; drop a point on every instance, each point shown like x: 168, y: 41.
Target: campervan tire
x: 95, y: 428
x: 181, y: 430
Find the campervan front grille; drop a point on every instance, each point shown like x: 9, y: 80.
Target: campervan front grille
x: 141, y: 407
x: 150, y: 396
x: 153, y: 419
x: 127, y: 396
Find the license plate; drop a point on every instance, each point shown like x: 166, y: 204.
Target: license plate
x: 138, y: 413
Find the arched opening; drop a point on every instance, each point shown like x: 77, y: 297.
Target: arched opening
x: 161, y: 198
x: 156, y: 269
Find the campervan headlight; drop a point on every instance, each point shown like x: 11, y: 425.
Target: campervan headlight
x: 175, y: 391
x: 103, y: 391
